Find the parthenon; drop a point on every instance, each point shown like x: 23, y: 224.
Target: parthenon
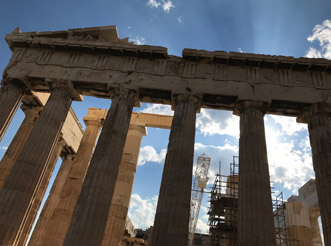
x: 95, y: 180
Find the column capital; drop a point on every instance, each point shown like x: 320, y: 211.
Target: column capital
x: 61, y: 141
x: 31, y: 110
x: 321, y: 108
x: 95, y: 116
x: 14, y: 83
x: 94, y: 122
x: 64, y: 85
x: 314, y: 213
x: 131, y: 95
x: 243, y: 105
x: 188, y: 98
x: 137, y: 130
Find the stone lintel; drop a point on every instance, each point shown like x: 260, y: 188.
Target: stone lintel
x: 151, y: 120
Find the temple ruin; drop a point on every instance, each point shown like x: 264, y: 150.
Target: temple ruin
x: 96, y: 62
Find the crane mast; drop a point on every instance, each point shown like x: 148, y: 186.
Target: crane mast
x: 199, y: 184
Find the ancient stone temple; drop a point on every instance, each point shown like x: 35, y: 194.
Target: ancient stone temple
x: 95, y: 179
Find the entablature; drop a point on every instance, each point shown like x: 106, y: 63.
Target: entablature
x: 223, y: 79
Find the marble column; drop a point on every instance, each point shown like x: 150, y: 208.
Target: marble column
x: 319, y: 127
x: 22, y: 181
x: 38, y: 195
x: 90, y: 215
x: 56, y: 226
x: 16, y: 145
x: 173, y: 209
x: 10, y: 98
x: 51, y: 201
x: 255, y: 214
x: 123, y: 189
x: 315, y: 228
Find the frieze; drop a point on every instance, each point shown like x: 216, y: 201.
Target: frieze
x: 220, y: 72
x: 285, y: 77
x: 318, y: 80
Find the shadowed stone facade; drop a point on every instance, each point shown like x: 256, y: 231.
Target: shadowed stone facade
x: 95, y: 62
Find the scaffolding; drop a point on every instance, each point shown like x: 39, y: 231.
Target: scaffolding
x: 224, y: 206
x: 280, y: 220
x: 223, y: 210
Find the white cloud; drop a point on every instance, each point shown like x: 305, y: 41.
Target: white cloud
x: 4, y: 147
x: 153, y: 3
x: 158, y: 109
x: 288, y: 165
x: 179, y: 19
x: 202, y: 225
x: 289, y: 125
x: 142, y: 211
x: 138, y: 40
x: 289, y: 153
x: 211, y: 122
x: 148, y: 153
x: 166, y: 5
x: 240, y: 50
x: 313, y: 53
x: 227, y: 146
x: 322, y: 34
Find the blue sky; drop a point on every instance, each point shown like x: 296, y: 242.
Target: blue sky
x: 285, y: 27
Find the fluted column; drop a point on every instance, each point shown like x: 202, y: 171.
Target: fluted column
x: 38, y: 195
x: 123, y: 189
x: 22, y: 181
x: 315, y: 228
x: 89, y: 218
x: 173, y: 209
x: 57, y: 224
x: 319, y: 127
x: 10, y: 98
x: 51, y: 201
x: 255, y: 215
x: 16, y: 145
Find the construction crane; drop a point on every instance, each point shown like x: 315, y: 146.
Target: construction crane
x: 199, y: 184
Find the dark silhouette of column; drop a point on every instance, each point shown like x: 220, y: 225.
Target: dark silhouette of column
x: 11, y: 93
x: 52, y: 200
x: 90, y: 216
x: 319, y: 126
x: 38, y: 196
x: 171, y: 223
x: 57, y: 224
x: 16, y: 145
x: 124, y: 184
x: 18, y: 190
x: 255, y: 214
